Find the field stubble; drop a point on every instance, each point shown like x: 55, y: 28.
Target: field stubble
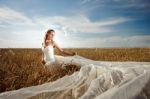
x: 22, y: 67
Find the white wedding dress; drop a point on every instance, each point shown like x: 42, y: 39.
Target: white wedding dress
x: 95, y: 80
x: 49, y: 57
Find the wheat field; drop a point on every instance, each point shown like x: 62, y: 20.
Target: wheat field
x: 23, y: 68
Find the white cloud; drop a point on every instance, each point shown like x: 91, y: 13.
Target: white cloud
x: 115, y: 41
x: 13, y: 17
x: 68, y: 24
x: 138, y: 4
x: 31, y: 34
x: 81, y: 24
x: 92, y: 1
x: 85, y: 1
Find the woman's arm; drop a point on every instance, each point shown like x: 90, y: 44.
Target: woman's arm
x: 42, y: 57
x: 64, y: 52
x: 43, y: 62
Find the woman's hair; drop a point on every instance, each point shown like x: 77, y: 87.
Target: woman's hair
x: 49, y: 31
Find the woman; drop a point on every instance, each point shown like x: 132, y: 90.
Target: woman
x: 48, y: 46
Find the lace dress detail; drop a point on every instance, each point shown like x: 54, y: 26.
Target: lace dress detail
x: 49, y: 57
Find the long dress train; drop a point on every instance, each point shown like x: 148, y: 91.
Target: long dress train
x: 95, y: 80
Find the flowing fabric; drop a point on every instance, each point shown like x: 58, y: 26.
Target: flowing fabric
x: 95, y: 80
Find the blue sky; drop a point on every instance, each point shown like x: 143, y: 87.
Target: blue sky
x: 78, y: 23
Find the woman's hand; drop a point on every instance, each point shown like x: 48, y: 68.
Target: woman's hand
x: 43, y: 62
x: 74, y: 53
x: 64, y: 52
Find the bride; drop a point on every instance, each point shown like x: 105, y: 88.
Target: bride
x: 48, y: 46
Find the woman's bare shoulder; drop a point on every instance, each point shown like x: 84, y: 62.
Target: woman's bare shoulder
x: 54, y: 42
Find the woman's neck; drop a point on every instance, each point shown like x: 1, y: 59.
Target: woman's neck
x: 48, y: 42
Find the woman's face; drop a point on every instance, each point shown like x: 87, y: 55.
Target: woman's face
x: 51, y: 35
